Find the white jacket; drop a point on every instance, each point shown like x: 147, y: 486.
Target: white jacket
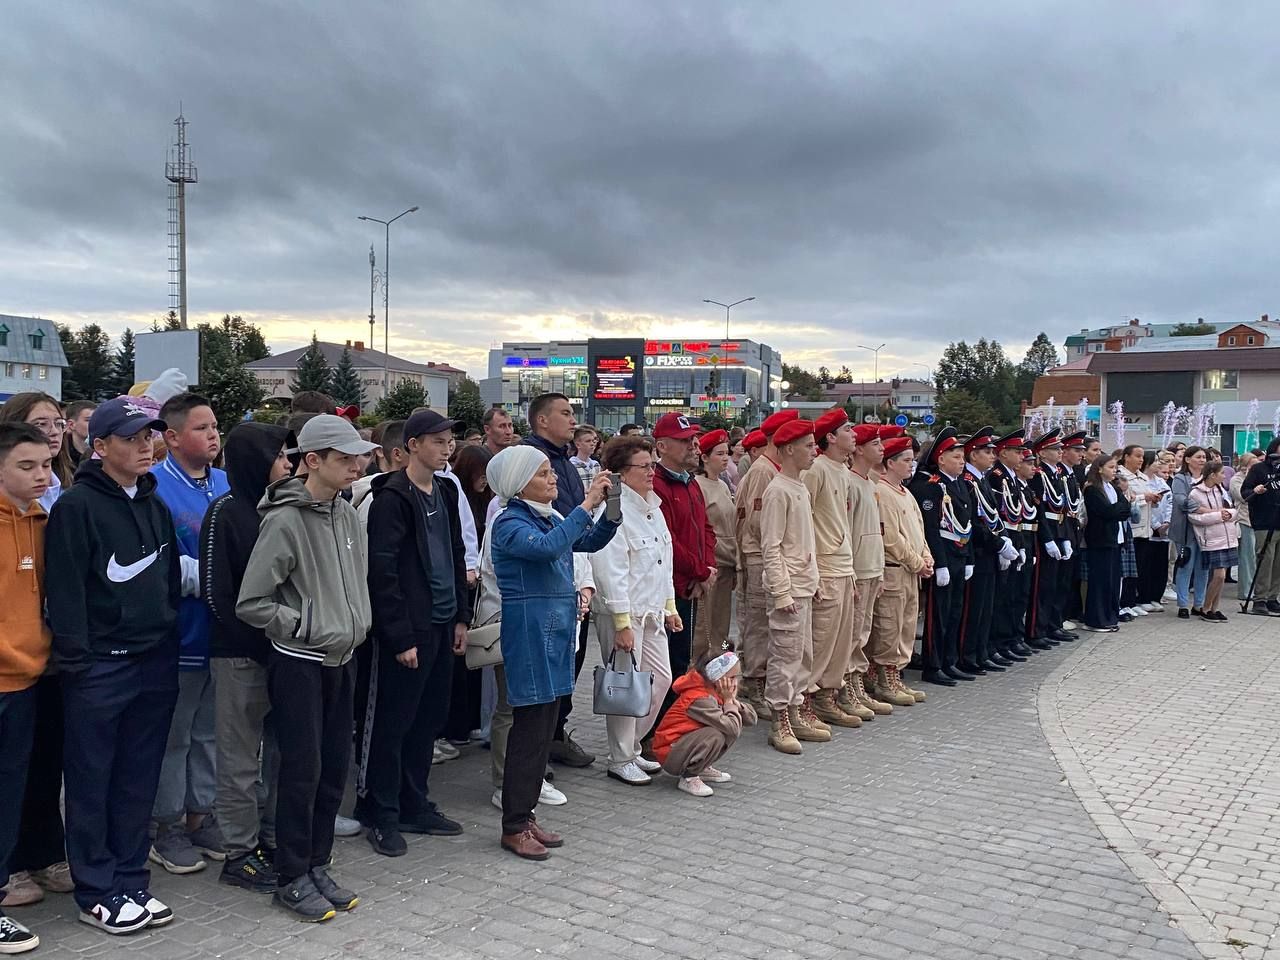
x: 633, y: 572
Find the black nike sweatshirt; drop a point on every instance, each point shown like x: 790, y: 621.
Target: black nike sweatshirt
x: 230, y: 530
x: 112, y: 573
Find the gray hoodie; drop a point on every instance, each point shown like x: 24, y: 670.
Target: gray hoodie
x: 305, y: 584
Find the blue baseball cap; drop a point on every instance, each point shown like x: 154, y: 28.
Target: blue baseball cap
x: 121, y: 417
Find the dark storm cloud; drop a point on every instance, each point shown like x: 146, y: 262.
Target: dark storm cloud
x: 920, y: 171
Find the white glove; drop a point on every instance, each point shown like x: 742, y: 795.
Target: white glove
x: 942, y: 577
x: 1051, y: 548
x: 1008, y: 552
x: 1022, y: 558
x: 968, y: 570
x: 1066, y: 549
x: 190, y: 576
x: 1004, y: 561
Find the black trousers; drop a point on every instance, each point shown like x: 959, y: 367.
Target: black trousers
x: 17, y: 730
x: 979, y: 609
x: 117, y: 715
x: 943, y: 609
x: 679, y: 653
x: 1102, y: 599
x: 1051, y: 582
x: 464, y: 701
x: 528, y: 746
x: 410, y: 706
x: 42, y: 840
x: 312, y: 706
x: 579, y: 658
x: 1153, y: 568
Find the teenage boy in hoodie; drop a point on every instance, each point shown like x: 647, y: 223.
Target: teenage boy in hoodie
x: 113, y: 609
x: 188, y: 483
x: 418, y: 582
x: 24, y: 642
x: 305, y: 587
x: 256, y: 458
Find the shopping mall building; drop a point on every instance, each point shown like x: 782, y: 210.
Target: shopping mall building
x: 615, y: 381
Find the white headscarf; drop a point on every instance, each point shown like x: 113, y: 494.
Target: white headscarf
x: 511, y: 469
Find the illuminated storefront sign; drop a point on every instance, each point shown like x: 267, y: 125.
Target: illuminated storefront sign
x: 669, y: 360
x: 615, y: 378
x: 652, y: 347
x: 568, y: 361
x: 544, y: 361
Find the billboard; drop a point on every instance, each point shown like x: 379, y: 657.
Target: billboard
x: 154, y: 353
x: 614, y: 378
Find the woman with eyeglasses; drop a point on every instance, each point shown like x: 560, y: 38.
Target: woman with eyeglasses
x: 39, y: 861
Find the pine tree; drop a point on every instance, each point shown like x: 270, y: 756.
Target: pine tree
x: 313, y: 370
x: 71, y: 389
x: 345, y: 386
x: 92, y: 367
x: 465, y: 404
x: 405, y: 397
x: 230, y: 386
x: 122, y: 376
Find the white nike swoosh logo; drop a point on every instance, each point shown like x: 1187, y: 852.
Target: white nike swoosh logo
x: 119, y: 574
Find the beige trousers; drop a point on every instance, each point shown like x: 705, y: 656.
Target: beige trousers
x: 753, y: 620
x: 833, y: 633
x: 893, y: 625
x: 863, y: 609
x: 714, y: 611
x: 790, y: 655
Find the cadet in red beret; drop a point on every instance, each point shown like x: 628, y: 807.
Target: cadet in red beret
x: 790, y: 576
x: 775, y: 420
x: 888, y: 431
x: 711, y: 626
x: 709, y: 441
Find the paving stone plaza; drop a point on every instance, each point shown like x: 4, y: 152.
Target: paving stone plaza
x: 1116, y: 797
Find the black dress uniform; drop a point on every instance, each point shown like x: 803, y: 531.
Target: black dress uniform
x: 1073, y: 604
x: 986, y: 542
x: 1048, y: 588
x: 947, y: 509
x: 1012, y: 583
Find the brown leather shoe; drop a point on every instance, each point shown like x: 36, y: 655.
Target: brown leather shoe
x: 545, y: 837
x: 525, y: 845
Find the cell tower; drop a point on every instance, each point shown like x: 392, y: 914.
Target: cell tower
x: 179, y: 171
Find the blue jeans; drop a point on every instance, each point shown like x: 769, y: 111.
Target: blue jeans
x: 1248, y: 561
x: 1182, y: 579
x: 188, y: 782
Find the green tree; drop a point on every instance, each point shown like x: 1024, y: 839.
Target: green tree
x: 313, y: 370
x: 465, y: 404
x: 983, y: 371
x: 1197, y: 329
x: 713, y: 420
x: 824, y: 376
x: 964, y: 411
x: 122, y: 364
x: 405, y: 397
x: 230, y: 386
x: 244, y: 338
x: 844, y: 376
x: 71, y: 389
x: 803, y: 382
x: 92, y: 367
x: 345, y: 386
x: 1040, y: 357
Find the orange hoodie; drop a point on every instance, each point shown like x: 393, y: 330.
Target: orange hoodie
x: 698, y: 705
x: 24, y: 635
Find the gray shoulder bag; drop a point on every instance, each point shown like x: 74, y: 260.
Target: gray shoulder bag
x: 627, y: 692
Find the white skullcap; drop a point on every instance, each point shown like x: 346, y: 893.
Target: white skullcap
x: 511, y: 470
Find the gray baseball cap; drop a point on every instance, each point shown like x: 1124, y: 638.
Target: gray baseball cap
x: 327, y: 432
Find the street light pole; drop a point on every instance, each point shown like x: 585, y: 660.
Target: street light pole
x: 727, y: 307
x: 386, y: 297
x: 876, y: 351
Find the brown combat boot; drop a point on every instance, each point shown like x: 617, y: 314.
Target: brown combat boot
x: 781, y: 737
x: 806, y: 725
x: 890, y: 688
x: 894, y: 677
x: 829, y: 711
x: 878, y: 707
x: 753, y: 693
x: 849, y: 702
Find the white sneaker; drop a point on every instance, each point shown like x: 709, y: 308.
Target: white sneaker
x: 1139, y: 611
x: 648, y: 766
x: 712, y: 775
x: 1069, y: 625
x: 630, y: 774
x: 549, y: 795
x: 346, y: 827
x: 160, y: 914
x: 1170, y: 594
x: 694, y: 787
x: 447, y: 750
x: 117, y: 915
x: 1154, y: 607
x: 496, y: 799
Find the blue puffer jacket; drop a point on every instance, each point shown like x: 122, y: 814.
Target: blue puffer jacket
x: 533, y: 562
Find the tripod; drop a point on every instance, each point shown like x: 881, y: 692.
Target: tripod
x: 1244, y: 604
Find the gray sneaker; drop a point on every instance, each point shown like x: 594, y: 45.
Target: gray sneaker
x: 207, y: 838
x: 173, y: 850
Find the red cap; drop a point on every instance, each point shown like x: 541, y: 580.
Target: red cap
x: 674, y: 425
x: 866, y: 432
x: 754, y: 439
x: 943, y: 445
x: 895, y: 445
x: 709, y: 441
x: 888, y: 431
x: 775, y: 420
x: 830, y: 422
x: 983, y: 438
x: 794, y: 430
x: 349, y: 412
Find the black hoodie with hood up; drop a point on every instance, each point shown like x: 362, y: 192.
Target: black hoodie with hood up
x: 113, y: 577
x: 229, y: 533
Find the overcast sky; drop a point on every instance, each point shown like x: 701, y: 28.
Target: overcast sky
x: 871, y: 172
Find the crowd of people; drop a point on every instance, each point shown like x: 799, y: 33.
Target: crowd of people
x: 221, y: 651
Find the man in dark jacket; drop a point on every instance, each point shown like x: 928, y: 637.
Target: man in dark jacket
x: 1261, y: 490
x: 418, y: 589
x: 255, y: 457
x: 552, y: 422
x: 113, y: 610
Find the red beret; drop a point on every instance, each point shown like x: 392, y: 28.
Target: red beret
x: 865, y: 432
x: 794, y: 430
x: 775, y: 420
x: 754, y: 439
x: 895, y: 445
x: 709, y: 441
x: 830, y: 422
x: 889, y: 431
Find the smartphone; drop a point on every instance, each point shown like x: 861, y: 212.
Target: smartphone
x: 613, y: 499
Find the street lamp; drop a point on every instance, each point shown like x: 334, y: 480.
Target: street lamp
x: 386, y: 297
x: 727, y: 307
x: 876, y: 351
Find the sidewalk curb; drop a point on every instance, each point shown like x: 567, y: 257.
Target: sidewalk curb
x: 1182, y: 911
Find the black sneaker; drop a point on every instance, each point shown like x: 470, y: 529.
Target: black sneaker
x: 1184, y: 613
x: 14, y: 937
x: 160, y: 914
x: 1197, y: 612
x: 1217, y: 616
x: 1259, y: 609
x: 389, y: 842
x: 1273, y: 607
x: 116, y: 915
x: 250, y: 871
x: 304, y: 901
x: 433, y: 823
x: 340, y: 897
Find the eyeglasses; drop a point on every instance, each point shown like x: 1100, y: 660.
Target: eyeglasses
x: 49, y: 426
x: 646, y: 467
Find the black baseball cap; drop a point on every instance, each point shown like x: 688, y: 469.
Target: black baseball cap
x: 121, y: 417
x: 426, y: 421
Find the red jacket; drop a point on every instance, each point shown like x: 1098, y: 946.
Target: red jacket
x: 676, y: 722
x: 693, y: 541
